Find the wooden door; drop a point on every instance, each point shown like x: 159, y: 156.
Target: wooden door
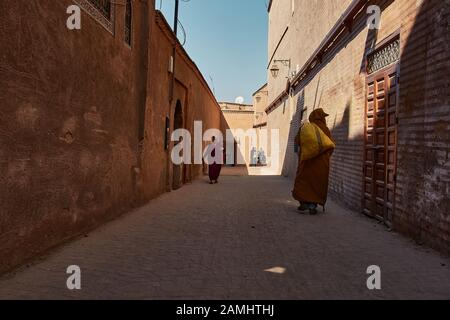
x: 380, y: 144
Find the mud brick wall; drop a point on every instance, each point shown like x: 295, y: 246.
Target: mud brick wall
x: 196, y: 100
x: 338, y: 85
x: 423, y: 183
x: 75, y: 108
x: 68, y: 123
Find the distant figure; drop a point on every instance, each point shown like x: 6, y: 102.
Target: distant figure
x: 254, y: 157
x: 311, y: 183
x: 215, y: 165
x: 262, y: 157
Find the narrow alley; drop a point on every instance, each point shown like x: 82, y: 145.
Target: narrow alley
x: 242, y: 239
x: 183, y: 149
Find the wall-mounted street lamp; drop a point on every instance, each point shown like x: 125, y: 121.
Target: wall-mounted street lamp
x: 275, y: 70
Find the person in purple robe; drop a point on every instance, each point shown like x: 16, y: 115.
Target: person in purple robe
x: 215, y: 163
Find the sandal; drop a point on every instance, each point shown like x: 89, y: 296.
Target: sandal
x: 303, y: 207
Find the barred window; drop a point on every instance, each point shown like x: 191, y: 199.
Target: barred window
x: 100, y: 10
x: 104, y: 6
x: 383, y: 57
x: 128, y: 23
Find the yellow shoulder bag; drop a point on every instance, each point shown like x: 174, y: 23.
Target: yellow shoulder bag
x: 314, y: 141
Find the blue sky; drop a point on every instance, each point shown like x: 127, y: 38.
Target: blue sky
x: 227, y: 39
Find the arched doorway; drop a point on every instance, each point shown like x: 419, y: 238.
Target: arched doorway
x: 178, y: 169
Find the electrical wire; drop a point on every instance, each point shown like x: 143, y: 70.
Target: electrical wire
x: 184, y: 32
x: 183, y: 43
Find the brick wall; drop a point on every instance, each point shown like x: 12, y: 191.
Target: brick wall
x: 260, y: 104
x: 338, y: 86
x: 295, y: 34
x: 423, y: 186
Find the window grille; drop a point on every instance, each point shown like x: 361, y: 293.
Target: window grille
x: 104, y: 6
x: 383, y: 57
x: 101, y: 10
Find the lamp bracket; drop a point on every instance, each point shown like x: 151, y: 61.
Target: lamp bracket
x: 285, y: 62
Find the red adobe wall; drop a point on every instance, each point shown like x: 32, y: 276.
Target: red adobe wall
x: 68, y: 123
x: 197, y: 101
x: 81, y: 122
x: 72, y: 107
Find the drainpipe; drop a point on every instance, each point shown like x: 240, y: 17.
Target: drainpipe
x: 175, y: 30
x: 172, y: 88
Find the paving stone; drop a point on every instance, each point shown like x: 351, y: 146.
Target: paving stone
x: 198, y: 243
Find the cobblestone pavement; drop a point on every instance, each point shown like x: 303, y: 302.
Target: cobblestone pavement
x: 217, y: 241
